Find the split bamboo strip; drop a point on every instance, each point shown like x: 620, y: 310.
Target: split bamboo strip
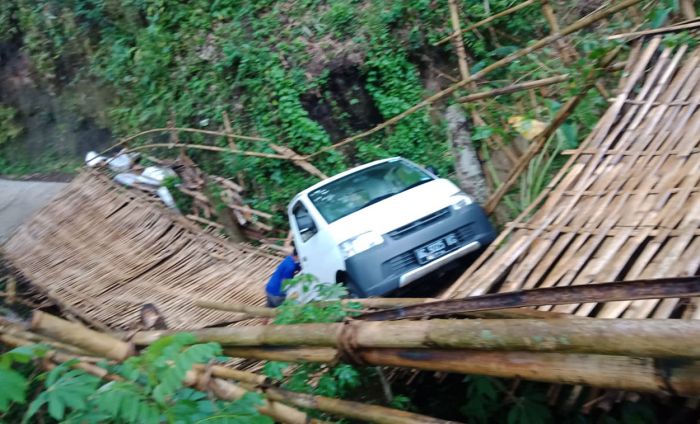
x: 576, y: 26
x: 81, y: 336
x: 513, y: 88
x: 652, y: 338
x: 483, y: 22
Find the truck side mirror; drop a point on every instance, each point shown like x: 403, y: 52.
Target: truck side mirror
x: 433, y: 170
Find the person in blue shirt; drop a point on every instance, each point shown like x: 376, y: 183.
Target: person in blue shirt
x: 286, y: 270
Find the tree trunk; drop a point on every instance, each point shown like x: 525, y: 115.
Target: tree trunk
x: 467, y: 165
x: 688, y: 9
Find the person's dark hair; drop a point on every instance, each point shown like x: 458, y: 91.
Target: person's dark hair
x: 151, y: 318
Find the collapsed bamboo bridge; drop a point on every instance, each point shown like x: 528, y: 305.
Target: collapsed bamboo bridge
x: 625, y: 207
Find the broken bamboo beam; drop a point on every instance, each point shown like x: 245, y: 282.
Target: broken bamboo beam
x: 574, y: 27
x: 605, y: 292
x: 486, y: 21
x: 81, y: 336
x: 298, y: 160
x: 649, y: 338
x: 513, y: 88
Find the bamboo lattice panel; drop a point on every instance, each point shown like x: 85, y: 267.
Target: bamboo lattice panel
x: 102, y: 251
x: 626, y: 205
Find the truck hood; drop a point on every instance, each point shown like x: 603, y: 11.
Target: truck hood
x: 395, y: 211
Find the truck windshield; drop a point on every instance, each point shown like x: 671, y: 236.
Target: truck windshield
x: 366, y: 187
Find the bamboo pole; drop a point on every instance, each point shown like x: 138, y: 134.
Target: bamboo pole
x: 514, y: 88
x: 459, y: 44
x: 652, y: 338
x: 647, y: 375
x: 576, y: 26
x: 280, y: 412
x: 660, y: 288
x: 298, y: 160
x: 483, y: 22
x: 256, y: 311
x: 81, y: 336
x: 671, y: 376
x: 688, y: 9
x: 285, y: 354
x: 228, y: 135
x: 355, y: 410
x: 209, y: 148
x: 541, y: 139
x: 634, y: 35
x: 380, y: 303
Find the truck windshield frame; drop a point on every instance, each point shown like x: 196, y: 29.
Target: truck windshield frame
x: 366, y: 187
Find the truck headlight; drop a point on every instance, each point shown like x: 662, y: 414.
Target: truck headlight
x: 360, y: 243
x: 459, y: 201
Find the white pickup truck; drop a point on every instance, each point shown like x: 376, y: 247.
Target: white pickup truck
x: 380, y: 226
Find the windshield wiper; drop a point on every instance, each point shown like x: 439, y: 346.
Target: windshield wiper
x: 376, y: 199
x: 416, y: 184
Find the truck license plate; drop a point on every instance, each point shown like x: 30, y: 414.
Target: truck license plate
x: 435, y: 249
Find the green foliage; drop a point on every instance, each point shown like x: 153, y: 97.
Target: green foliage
x: 150, y: 389
x: 9, y: 129
x: 13, y: 384
x: 182, y: 201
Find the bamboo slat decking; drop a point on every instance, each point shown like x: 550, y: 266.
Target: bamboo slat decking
x: 626, y: 205
x: 102, y: 251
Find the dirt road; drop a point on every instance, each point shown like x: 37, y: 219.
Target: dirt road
x: 20, y: 199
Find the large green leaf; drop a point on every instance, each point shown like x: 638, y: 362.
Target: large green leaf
x: 13, y: 388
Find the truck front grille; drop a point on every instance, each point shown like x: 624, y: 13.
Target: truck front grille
x: 418, y: 224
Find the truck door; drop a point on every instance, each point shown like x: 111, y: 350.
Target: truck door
x: 313, y: 245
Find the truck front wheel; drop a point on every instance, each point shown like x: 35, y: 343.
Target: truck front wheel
x: 346, y: 280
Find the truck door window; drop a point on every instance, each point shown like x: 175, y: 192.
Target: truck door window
x: 305, y: 224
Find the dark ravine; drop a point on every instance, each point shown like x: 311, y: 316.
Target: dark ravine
x: 59, y: 123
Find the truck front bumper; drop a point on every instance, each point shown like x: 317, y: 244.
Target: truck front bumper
x: 393, y: 264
